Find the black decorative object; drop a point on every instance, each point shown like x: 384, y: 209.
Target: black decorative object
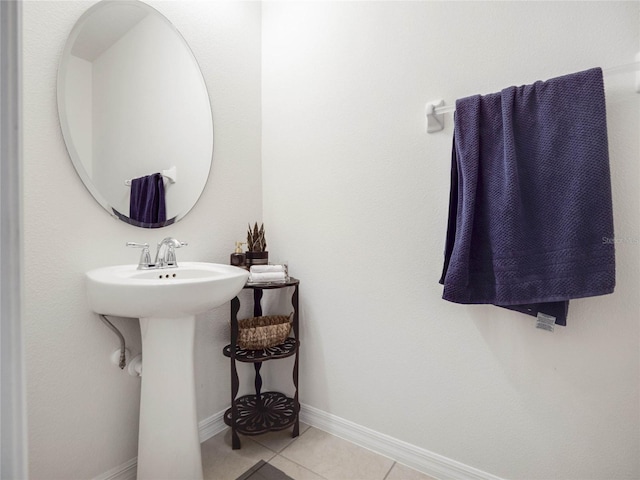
x: 256, y: 246
x: 264, y: 411
x: 284, y: 350
x: 256, y: 258
x: 269, y: 411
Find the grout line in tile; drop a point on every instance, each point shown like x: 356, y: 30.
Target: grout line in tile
x: 248, y: 437
x: 302, y: 466
x: 294, y: 441
x: 392, y: 465
x: 296, y: 463
x: 305, y: 431
x: 318, y: 474
x: 267, y: 447
x: 275, y: 454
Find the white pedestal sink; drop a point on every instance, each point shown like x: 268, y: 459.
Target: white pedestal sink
x: 166, y: 302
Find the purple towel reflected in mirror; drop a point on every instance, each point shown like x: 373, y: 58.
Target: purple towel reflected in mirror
x: 147, y: 203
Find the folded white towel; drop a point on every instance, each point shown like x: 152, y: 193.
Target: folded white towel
x: 269, y: 277
x: 266, y: 268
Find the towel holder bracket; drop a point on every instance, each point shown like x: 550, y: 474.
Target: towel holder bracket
x: 170, y: 174
x: 435, y: 121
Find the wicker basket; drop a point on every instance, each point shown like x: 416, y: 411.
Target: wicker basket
x: 257, y: 333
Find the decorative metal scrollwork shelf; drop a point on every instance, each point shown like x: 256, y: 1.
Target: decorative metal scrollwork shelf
x: 264, y: 411
x: 269, y: 412
x: 284, y: 350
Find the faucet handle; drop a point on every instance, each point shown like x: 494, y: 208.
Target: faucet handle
x: 170, y: 254
x: 145, y: 256
x: 137, y: 245
x: 170, y: 257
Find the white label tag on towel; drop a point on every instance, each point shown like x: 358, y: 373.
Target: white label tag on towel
x: 545, y: 322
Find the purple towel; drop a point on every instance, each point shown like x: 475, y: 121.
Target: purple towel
x: 530, y: 208
x: 147, y: 204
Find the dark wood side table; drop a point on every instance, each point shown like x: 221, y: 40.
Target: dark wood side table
x: 263, y: 411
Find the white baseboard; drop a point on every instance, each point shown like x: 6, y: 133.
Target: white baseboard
x: 126, y: 471
x: 405, y: 453
x: 211, y: 426
x: 430, y: 463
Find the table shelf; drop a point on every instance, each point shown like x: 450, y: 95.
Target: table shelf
x: 265, y: 411
x: 269, y: 412
x: 286, y: 349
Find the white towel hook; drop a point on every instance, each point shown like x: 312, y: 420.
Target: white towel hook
x: 435, y: 121
x: 170, y: 174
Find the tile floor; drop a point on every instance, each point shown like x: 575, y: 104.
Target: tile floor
x: 314, y: 455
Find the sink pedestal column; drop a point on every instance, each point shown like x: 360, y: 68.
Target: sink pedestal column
x: 168, y: 444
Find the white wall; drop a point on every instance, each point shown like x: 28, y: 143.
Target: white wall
x: 82, y: 411
x: 356, y: 196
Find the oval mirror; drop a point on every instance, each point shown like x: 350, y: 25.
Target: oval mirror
x: 135, y: 113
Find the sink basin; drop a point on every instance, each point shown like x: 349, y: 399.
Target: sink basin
x: 166, y: 302
x: 191, y: 288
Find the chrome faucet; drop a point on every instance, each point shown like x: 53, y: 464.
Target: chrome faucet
x: 145, y: 256
x: 165, y: 255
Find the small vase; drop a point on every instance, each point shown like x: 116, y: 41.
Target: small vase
x: 256, y: 258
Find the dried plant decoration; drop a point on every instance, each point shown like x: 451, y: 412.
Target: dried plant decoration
x: 256, y: 241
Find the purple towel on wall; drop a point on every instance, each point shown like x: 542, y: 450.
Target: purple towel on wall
x: 147, y: 204
x: 530, y: 210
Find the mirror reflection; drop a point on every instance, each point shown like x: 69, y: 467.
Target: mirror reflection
x: 135, y: 113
